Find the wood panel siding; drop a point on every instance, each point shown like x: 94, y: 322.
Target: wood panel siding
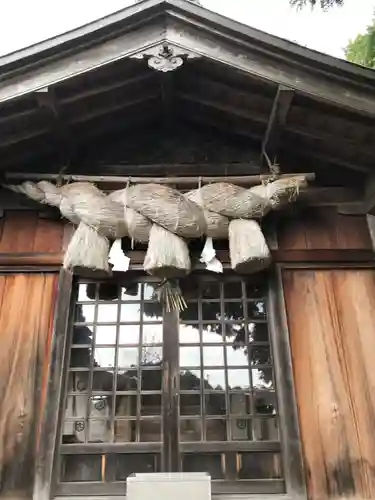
x: 323, y: 229
x: 22, y: 231
x: 26, y: 314
x: 332, y: 332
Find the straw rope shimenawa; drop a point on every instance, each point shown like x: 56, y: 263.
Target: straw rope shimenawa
x: 166, y: 218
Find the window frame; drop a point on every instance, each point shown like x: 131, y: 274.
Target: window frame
x: 47, y: 472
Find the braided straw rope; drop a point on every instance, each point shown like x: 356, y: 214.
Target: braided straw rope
x: 164, y: 217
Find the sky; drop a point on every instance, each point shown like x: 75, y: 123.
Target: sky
x: 25, y: 22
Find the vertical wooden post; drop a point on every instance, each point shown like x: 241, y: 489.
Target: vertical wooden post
x: 289, y: 426
x: 43, y: 483
x: 171, y: 381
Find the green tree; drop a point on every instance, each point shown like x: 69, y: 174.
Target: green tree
x: 361, y: 50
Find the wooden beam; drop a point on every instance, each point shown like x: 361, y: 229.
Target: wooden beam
x: 31, y: 259
x: 276, y: 123
x: 248, y: 180
x: 247, y: 130
x: 82, y: 118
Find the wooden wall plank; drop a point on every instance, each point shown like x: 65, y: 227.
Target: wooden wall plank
x: 323, y: 228
x: 49, y: 236
x: 25, y: 319
x: 19, y: 231
x: 332, y: 331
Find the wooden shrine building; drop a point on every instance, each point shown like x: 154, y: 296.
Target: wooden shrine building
x: 265, y: 381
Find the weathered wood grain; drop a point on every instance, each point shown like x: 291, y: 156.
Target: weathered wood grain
x: 323, y: 229
x: 332, y: 329
x: 26, y: 309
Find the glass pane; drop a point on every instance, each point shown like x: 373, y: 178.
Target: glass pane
x: 212, y: 333
x: 99, y: 430
x: 265, y: 429
x: 81, y: 468
x: 265, y: 403
x: 125, y: 429
x: 128, y: 357
x: 119, y: 467
x: 214, y: 379
x: 237, y: 356
x: 235, y: 333
x: 126, y: 406
x: 151, y: 380
x: 260, y: 466
x: 107, y: 291
x: 148, y: 291
x: 210, y: 290
x: 104, y: 356
x: 190, y: 356
x: 260, y: 356
x: 80, y: 357
x: 238, y: 379
x: 262, y: 379
x: 76, y: 406
x: 106, y: 334
x: 207, y: 462
x: 213, y: 356
x: 127, y: 380
x: 129, y: 334
x: 256, y: 309
x: 131, y: 292
x: 84, y: 294
x: 107, y: 313
x: 150, y: 430
x: 216, y: 430
x: 151, y: 404
x: 233, y: 290
x: 152, y: 334
x: 84, y: 313
x: 152, y: 311
x: 151, y: 356
x: 190, y: 380
x: 240, y: 404
x: 78, y: 381
x: 234, y: 311
x: 190, y: 404
x: 82, y: 335
x: 190, y: 313
x: 215, y: 404
x: 189, y: 334
x: 190, y: 430
x: 102, y: 381
x: 130, y: 313
x: 258, y: 332
x: 241, y: 429
x: 211, y: 311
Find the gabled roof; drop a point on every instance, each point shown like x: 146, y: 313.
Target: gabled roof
x: 232, y: 76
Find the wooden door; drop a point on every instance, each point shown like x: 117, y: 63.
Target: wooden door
x: 26, y: 314
x: 331, y: 315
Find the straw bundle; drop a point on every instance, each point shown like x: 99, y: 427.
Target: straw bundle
x: 216, y: 224
x: 94, y: 208
x: 87, y: 250
x: 167, y: 254
x: 167, y: 208
x: 232, y: 201
x: 163, y: 216
x: 138, y: 226
x: 248, y: 249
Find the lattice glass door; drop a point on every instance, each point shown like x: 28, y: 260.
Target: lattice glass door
x: 149, y: 391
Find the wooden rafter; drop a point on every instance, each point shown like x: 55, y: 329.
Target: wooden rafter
x: 276, y: 123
